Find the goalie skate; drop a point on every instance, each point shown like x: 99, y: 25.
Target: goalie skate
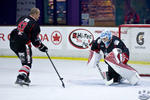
x: 110, y: 82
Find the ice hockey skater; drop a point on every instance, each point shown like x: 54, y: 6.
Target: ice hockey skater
x: 27, y: 32
x: 116, y: 56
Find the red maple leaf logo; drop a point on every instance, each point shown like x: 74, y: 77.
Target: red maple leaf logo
x: 56, y: 37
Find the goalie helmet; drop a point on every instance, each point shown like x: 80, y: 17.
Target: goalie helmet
x: 106, y: 37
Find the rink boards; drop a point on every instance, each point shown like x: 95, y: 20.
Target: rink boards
x: 76, y: 41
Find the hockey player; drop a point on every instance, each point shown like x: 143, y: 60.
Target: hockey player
x: 112, y: 45
x: 27, y: 32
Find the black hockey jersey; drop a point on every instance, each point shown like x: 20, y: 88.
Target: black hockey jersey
x: 27, y: 31
x: 115, y: 42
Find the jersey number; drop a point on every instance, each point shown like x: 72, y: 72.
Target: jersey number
x: 21, y: 27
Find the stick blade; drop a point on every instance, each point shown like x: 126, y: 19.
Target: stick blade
x: 63, y: 85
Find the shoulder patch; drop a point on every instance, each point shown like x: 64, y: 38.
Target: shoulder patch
x: 116, y: 42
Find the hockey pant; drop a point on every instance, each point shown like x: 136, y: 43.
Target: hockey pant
x: 25, y: 55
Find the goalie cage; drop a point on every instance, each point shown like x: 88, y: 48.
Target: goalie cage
x: 137, y: 39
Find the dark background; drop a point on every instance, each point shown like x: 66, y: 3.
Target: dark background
x: 74, y: 11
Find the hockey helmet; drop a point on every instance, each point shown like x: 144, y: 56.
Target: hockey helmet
x: 106, y: 34
x: 106, y: 37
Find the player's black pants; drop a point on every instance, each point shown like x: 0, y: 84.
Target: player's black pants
x: 24, y: 53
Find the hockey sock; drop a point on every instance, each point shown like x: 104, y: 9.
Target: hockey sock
x: 24, y: 70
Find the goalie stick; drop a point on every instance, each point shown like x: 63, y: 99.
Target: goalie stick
x: 106, y: 82
x: 100, y: 71
x: 61, y: 79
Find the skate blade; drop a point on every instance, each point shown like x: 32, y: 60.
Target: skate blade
x: 22, y: 84
x: 108, y: 83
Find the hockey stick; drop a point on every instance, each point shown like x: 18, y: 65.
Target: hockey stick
x: 61, y: 79
x: 97, y: 65
x: 107, y: 82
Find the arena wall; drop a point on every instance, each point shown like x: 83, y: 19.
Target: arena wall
x: 71, y: 42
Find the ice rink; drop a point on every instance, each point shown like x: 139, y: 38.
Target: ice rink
x: 82, y: 82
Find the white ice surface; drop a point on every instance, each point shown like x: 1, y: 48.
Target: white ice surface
x: 82, y: 82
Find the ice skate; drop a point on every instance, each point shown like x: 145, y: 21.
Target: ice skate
x: 27, y: 80
x: 22, y: 79
x: 110, y: 82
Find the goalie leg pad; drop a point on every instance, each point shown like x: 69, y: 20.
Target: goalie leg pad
x: 113, y: 74
x: 124, y: 70
x: 134, y: 80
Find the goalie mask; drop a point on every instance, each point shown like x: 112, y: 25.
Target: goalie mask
x: 106, y: 37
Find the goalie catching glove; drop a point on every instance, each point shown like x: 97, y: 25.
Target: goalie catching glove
x: 43, y: 48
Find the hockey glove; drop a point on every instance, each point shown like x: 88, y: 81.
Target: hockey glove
x: 120, y: 56
x: 123, y: 57
x: 43, y: 48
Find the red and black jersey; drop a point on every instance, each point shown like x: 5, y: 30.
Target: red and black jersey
x: 115, y: 42
x: 27, y: 31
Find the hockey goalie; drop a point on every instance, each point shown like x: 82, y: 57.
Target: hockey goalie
x: 116, y: 56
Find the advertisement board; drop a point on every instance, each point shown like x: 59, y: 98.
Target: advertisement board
x: 61, y: 41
